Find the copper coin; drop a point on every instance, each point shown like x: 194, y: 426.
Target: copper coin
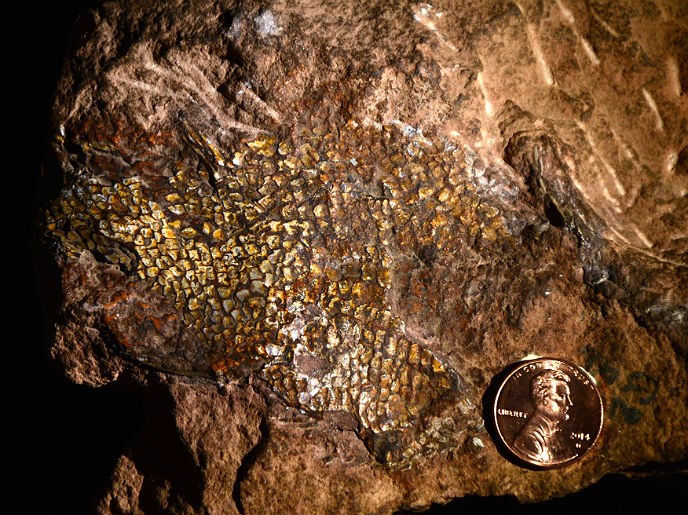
x: 548, y: 412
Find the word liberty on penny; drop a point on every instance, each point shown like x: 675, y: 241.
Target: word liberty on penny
x: 548, y: 413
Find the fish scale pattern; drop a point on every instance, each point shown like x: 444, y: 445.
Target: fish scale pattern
x: 279, y: 254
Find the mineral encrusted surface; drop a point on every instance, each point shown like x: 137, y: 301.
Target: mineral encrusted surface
x: 313, y: 233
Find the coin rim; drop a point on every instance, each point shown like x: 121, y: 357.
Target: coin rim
x: 517, y: 366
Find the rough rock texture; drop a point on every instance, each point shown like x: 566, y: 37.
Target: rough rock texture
x: 313, y: 233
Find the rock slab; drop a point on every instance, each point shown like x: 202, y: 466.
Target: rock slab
x: 313, y: 234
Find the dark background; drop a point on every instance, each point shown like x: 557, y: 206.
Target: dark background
x: 61, y: 439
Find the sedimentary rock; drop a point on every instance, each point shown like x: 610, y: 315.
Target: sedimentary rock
x: 315, y: 233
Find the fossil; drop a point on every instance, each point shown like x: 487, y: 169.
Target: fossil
x: 352, y: 218
x: 254, y: 252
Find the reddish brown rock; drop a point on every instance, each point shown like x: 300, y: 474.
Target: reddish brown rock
x: 447, y: 189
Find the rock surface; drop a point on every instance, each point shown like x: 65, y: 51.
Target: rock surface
x: 400, y: 201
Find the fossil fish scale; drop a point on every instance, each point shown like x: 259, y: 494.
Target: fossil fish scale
x: 251, y: 254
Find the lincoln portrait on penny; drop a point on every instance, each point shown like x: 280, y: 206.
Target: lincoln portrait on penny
x: 551, y: 397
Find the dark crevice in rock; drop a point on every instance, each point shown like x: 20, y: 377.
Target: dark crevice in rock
x: 247, y: 462
x: 554, y: 216
x: 676, y: 466
x: 682, y: 162
x: 162, y: 456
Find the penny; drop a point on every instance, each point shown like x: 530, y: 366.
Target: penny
x: 548, y: 412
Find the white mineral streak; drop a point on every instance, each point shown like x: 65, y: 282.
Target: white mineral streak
x: 604, y: 24
x: 590, y: 52
x: 566, y: 13
x: 544, y: 68
x: 570, y: 19
x: 609, y: 168
x: 650, y: 101
x: 671, y: 161
x: 627, y: 151
x: 489, y: 110
x: 270, y: 111
x: 643, y: 238
x: 673, y: 76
